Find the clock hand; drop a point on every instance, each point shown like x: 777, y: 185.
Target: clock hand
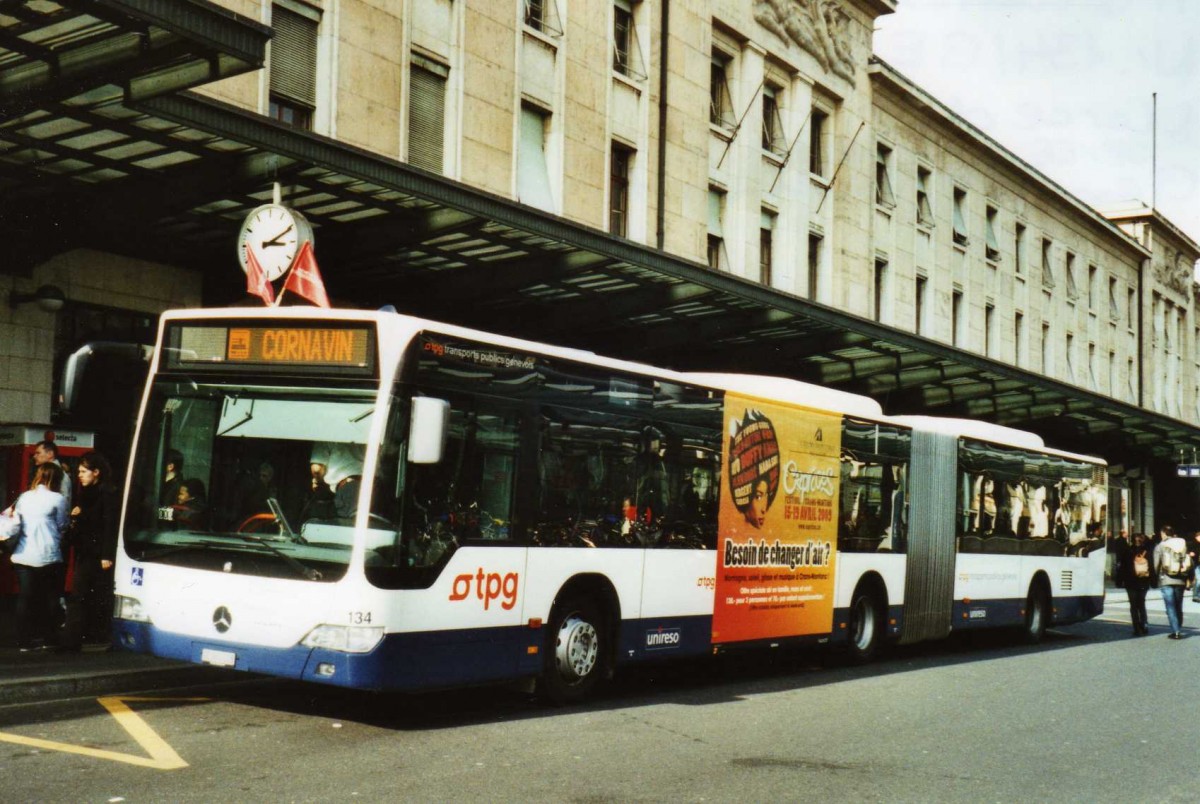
x: 274, y: 241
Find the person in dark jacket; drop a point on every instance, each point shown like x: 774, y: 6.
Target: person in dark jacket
x: 1135, y: 572
x: 93, y: 537
x: 1193, y: 548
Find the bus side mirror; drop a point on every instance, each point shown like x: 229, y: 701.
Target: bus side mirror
x: 427, y: 430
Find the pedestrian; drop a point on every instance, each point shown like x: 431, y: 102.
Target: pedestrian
x: 1135, y: 573
x: 1172, y: 567
x: 38, y: 557
x: 93, y: 537
x: 47, y: 452
x: 1194, y: 553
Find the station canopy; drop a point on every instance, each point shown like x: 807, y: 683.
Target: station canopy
x: 121, y: 157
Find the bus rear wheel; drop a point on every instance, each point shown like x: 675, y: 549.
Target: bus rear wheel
x: 576, y: 648
x: 866, y: 625
x: 1037, y: 612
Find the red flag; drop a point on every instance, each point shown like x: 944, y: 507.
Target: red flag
x: 256, y: 279
x: 305, y: 279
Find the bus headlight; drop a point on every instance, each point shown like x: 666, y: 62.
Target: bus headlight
x: 345, y: 638
x: 129, y: 608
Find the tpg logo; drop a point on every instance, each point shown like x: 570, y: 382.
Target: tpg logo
x: 488, y: 587
x: 663, y: 638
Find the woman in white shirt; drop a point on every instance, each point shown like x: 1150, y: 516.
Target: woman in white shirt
x: 38, y: 557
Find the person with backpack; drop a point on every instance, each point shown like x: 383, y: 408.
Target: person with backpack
x: 1135, y: 573
x: 1173, y: 566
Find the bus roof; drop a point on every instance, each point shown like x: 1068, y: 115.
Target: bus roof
x: 794, y: 391
x: 986, y: 431
x: 767, y: 387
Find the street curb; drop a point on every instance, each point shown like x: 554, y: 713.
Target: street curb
x: 36, y: 690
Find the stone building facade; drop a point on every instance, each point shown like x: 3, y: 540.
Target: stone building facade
x: 761, y: 138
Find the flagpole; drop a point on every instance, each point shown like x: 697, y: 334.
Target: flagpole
x: 283, y: 288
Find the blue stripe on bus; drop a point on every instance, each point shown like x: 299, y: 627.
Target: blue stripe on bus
x: 472, y: 656
x: 1011, y: 611
x: 399, y: 662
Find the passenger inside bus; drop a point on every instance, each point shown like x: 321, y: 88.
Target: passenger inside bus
x: 191, y: 505
x: 317, y: 499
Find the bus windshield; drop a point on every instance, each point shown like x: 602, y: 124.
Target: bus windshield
x: 251, y: 479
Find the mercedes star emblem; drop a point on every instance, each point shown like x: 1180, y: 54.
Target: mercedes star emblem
x: 222, y: 619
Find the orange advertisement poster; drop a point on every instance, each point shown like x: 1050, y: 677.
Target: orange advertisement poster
x: 778, y: 521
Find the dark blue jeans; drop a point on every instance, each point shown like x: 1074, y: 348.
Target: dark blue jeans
x: 1173, y: 600
x: 37, y: 602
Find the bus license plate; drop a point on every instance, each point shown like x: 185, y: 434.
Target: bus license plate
x: 221, y: 658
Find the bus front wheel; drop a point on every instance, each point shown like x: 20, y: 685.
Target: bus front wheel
x: 576, y: 645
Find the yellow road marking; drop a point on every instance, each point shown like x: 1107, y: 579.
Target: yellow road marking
x: 162, y: 756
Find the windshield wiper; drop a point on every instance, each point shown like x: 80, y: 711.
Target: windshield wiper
x: 305, y: 572
x: 281, y: 520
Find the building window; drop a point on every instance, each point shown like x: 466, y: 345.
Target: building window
x: 1019, y: 339
x: 1112, y: 373
x: 1114, y: 309
x: 1047, y: 267
x: 1091, y: 287
x: 919, y: 302
x: 1046, y: 362
x: 956, y: 301
x: 989, y: 321
x: 814, y: 265
x: 618, y: 190
x: 1019, y: 250
x: 627, y: 50
x: 1129, y: 379
x: 533, y: 173
x: 992, y: 246
x: 924, y: 208
x: 427, y: 114
x: 960, y: 217
x: 881, y: 279
x: 1131, y: 306
x: 772, y: 131
x: 1095, y: 385
x: 883, y: 178
x: 542, y: 16
x: 720, y: 101
x: 293, y: 70
x: 716, y: 241
x: 766, y: 234
x: 1070, y: 357
x: 817, y: 125
x: 1072, y: 288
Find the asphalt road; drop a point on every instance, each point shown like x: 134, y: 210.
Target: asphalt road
x: 1090, y: 715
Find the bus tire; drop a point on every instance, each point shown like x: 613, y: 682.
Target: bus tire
x: 866, y: 624
x: 576, y: 647
x: 1037, y: 613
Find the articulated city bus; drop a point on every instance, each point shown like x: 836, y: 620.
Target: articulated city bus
x: 372, y: 500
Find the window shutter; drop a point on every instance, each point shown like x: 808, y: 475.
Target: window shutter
x: 427, y: 116
x: 294, y: 56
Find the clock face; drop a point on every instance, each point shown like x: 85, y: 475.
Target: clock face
x: 275, y: 234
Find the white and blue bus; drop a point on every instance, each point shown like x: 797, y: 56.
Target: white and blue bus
x: 372, y: 500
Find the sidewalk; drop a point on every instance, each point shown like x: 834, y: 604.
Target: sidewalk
x: 45, y: 675
x: 1116, y: 602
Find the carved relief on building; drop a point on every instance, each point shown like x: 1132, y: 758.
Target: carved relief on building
x: 820, y: 27
x: 1175, y: 275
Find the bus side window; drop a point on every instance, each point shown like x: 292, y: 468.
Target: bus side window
x: 586, y: 477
